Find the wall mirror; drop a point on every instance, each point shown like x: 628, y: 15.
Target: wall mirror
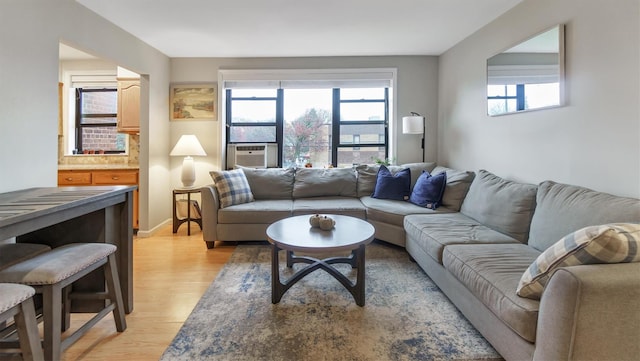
x: 527, y: 76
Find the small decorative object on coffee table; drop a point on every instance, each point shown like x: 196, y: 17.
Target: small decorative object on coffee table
x: 295, y: 235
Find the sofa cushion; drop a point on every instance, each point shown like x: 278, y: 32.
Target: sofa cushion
x: 321, y: 182
x: 346, y: 206
x: 392, y: 186
x: 610, y: 243
x: 562, y: 209
x: 257, y: 212
x: 458, y: 182
x: 393, y: 212
x: 428, y: 190
x: 367, y: 174
x: 270, y: 183
x: 232, y: 187
x: 491, y: 272
x: 435, y: 231
x: 503, y: 205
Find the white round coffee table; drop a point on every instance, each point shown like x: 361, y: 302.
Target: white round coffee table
x: 295, y: 234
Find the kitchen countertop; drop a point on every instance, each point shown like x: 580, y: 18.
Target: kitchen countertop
x: 98, y: 166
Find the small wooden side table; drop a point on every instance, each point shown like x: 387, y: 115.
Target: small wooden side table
x: 197, y: 217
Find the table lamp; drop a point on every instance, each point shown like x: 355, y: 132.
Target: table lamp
x: 414, y: 124
x: 188, y: 146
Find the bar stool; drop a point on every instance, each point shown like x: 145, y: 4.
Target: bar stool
x: 51, y: 272
x: 16, y: 302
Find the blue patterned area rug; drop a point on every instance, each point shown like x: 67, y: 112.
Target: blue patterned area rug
x: 405, y: 317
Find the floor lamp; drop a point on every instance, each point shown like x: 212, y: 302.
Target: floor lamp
x: 414, y: 124
x: 188, y: 146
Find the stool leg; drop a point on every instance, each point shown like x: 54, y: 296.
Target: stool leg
x: 66, y: 309
x: 27, y: 328
x: 52, y: 321
x: 115, y: 292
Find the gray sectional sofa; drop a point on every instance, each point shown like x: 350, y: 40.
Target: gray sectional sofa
x: 475, y: 247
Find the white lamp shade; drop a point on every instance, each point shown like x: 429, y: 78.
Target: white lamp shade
x: 413, y: 124
x: 188, y: 145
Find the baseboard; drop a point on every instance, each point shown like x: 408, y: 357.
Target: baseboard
x: 154, y: 230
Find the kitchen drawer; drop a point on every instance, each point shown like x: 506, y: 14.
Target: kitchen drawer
x: 74, y: 178
x: 115, y: 178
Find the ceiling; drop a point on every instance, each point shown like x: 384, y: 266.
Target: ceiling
x: 286, y: 28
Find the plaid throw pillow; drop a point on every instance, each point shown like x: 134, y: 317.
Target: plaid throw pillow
x: 609, y: 243
x: 232, y: 186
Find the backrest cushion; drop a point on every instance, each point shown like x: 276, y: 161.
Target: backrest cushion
x: 609, y: 243
x: 428, y: 190
x: 458, y: 183
x: 320, y: 182
x: 562, y: 209
x: 392, y: 186
x: 367, y: 174
x: 232, y: 187
x: 270, y: 183
x: 500, y: 204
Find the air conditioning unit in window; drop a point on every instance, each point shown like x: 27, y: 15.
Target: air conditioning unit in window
x: 250, y: 155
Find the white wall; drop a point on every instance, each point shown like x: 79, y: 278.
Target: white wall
x: 30, y: 31
x: 417, y: 92
x: 594, y: 141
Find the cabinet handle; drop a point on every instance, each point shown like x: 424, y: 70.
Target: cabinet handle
x: 115, y: 178
x: 68, y: 179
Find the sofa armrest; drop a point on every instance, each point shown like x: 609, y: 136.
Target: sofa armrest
x: 210, y: 205
x: 590, y: 312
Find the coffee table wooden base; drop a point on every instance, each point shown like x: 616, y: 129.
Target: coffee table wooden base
x: 356, y: 260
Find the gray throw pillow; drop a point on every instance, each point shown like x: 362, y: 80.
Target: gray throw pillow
x: 562, y: 209
x: 503, y: 205
x: 458, y: 183
x: 321, y: 182
x: 270, y: 183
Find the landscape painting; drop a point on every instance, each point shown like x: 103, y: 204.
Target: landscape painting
x: 194, y: 102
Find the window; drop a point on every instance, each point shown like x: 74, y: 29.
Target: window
x: 362, y: 118
x: 96, y: 121
x: 321, y: 126
x: 507, y: 98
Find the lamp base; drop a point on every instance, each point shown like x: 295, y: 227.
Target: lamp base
x: 188, y: 177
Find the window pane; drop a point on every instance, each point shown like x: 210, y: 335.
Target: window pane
x: 103, y: 138
x: 496, y: 90
x: 252, y: 134
x: 362, y: 134
x: 541, y: 95
x: 348, y: 157
x: 307, y: 127
x: 100, y: 102
x: 100, y: 120
x: 253, y: 111
x: 361, y: 93
x: 258, y: 93
x: 500, y: 106
x: 362, y: 111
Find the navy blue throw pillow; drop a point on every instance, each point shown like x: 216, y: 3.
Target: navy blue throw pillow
x: 392, y: 186
x: 428, y: 190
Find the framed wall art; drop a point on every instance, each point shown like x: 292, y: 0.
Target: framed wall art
x: 193, y: 101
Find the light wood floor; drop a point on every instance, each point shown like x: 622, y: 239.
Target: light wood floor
x: 171, y: 272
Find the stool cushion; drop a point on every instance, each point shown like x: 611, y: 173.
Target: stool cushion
x: 12, y: 294
x: 56, y: 265
x: 12, y: 253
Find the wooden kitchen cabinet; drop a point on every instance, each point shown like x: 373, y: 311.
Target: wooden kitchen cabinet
x: 128, y: 105
x: 103, y: 177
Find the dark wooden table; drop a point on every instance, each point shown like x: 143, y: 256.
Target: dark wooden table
x: 61, y: 215
x: 196, y: 216
x: 294, y: 234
